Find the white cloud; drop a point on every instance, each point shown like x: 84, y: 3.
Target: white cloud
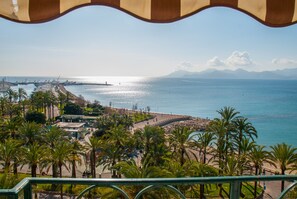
x: 215, y: 62
x: 284, y: 62
x: 239, y: 59
x: 185, y: 66
x: 234, y: 61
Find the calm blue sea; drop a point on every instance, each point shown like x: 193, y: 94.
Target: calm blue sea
x: 271, y: 105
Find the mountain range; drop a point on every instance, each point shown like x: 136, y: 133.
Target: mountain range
x: 236, y: 74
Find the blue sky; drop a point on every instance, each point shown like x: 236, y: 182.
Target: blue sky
x: 98, y: 40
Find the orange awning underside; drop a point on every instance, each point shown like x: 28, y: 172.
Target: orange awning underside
x: 269, y: 12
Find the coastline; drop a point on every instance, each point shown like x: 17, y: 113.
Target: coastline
x: 167, y: 121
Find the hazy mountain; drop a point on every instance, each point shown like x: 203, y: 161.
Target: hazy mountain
x: 237, y: 74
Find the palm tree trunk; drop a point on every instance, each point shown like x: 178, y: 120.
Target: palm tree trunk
x: 283, y: 182
x: 6, y: 167
x: 24, y: 111
x: 15, y: 167
x: 202, y: 191
x: 73, y: 169
x: 60, y: 169
x: 114, y: 174
x: 182, y: 161
x: 33, y: 170
x: 54, y: 170
x: 255, y: 186
x: 93, y: 163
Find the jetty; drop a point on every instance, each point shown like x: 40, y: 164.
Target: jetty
x: 5, y: 85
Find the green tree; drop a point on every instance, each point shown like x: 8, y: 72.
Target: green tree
x: 117, y: 148
x: 217, y: 127
x: 284, y: 157
x: 60, y: 156
x: 3, y: 105
x: 37, y: 101
x: 75, y: 156
x: 180, y: 142
x: 31, y: 132
x: 258, y: 156
x: 72, y: 109
x: 244, y: 129
x: 93, y: 145
x: 130, y: 169
x: 62, y: 99
x: 228, y: 117
x: 34, y: 116
x: 22, y: 96
x: 53, y: 136
x: 203, y: 141
x: 49, y: 102
x: 34, y: 155
x: 196, y: 169
x: 8, y: 152
x: 13, y: 125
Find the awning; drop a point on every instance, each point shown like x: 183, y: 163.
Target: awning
x: 274, y: 13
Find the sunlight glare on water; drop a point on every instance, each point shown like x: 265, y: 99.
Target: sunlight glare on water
x: 110, y: 79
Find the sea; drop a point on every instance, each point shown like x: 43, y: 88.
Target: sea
x: 270, y: 105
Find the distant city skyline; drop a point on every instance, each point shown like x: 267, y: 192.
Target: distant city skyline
x: 99, y: 40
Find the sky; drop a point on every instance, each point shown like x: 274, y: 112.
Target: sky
x: 103, y: 41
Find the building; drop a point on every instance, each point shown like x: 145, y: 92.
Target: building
x: 74, y: 129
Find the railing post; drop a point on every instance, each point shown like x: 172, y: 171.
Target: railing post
x: 28, y: 191
x: 235, y: 190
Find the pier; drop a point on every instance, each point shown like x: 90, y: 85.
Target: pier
x: 5, y: 85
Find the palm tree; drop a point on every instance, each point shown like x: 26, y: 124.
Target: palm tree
x: 130, y: 169
x: 228, y: 116
x: 93, y: 144
x: 3, y: 105
x: 53, y: 136
x: 217, y: 127
x: 12, y: 97
x: 118, y: 147
x: 179, y: 141
x: 8, y: 152
x: 62, y: 101
x: 60, y: 156
x: 244, y: 129
x: 30, y: 132
x: 258, y: 156
x: 34, y: 155
x: 204, y: 141
x: 37, y: 100
x: 245, y: 147
x: 11, y: 128
x: 150, y: 142
x: 284, y: 156
x: 50, y: 101
x: 22, y: 95
x: 196, y: 169
x: 75, y: 157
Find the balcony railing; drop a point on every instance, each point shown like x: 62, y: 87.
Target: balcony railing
x: 25, y: 186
